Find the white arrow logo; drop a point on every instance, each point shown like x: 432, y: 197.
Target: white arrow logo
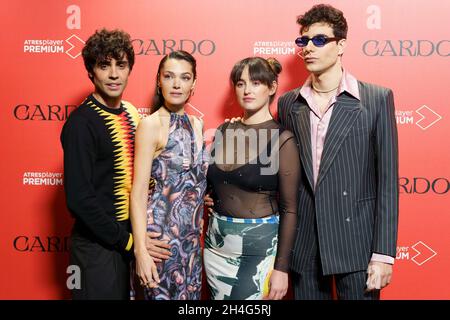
x: 427, y: 116
x: 69, y: 51
x: 424, y: 253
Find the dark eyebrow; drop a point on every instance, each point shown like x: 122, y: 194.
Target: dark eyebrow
x: 184, y: 73
x: 319, y: 34
x: 104, y: 61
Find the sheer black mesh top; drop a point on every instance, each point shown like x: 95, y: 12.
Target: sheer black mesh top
x: 254, y: 172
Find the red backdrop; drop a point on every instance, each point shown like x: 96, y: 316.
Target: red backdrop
x: 400, y: 44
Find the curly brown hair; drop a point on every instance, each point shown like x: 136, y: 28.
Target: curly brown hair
x: 327, y: 14
x: 104, y: 45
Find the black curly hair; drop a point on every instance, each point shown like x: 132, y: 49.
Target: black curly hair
x: 326, y: 14
x: 105, y: 44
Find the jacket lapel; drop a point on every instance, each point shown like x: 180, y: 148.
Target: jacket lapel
x: 345, y: 112
x: 299, y: 115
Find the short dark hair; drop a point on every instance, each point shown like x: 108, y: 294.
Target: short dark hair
x: 158, y: 98
x: 259, y: 69
x: 105, y: 44
x: 326, y: 14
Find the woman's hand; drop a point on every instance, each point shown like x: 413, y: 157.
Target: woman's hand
x: 146, y: 270
x: 278, y: 285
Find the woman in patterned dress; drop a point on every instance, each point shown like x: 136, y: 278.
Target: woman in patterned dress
x: 170, y: 152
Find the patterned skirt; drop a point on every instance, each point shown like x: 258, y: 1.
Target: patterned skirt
x: 239, y: 255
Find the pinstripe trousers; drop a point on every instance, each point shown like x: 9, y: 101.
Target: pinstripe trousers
x: 311, y: 284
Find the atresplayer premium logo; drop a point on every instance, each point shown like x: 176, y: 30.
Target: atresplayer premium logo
x: 419, y: 253
x: 42, y: 178
x: 274, y: 48
x: 158, y: 47
x: 71, y: 46
x: 423, y: 117
x: 144, y: 112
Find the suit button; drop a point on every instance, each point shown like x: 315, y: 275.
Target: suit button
x: 347, y: 219
x: 344, y: 193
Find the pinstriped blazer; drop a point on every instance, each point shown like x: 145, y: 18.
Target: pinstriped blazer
x: 353, y: 210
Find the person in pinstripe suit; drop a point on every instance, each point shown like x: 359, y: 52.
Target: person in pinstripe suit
x: 348, y: 195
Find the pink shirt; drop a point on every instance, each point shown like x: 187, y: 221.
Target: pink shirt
x: 319, y: 127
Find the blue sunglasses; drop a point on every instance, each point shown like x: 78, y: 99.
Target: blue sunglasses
x: 319, y: 41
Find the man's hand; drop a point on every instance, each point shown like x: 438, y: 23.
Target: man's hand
x: 157, y: 249
x: 209, y: 202
x: 379, y: 275
x: 233, y: 120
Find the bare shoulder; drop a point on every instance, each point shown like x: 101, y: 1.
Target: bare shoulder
x: 153, y: 119
x: 150, y: 123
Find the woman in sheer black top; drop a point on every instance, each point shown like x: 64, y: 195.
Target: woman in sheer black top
x: 253, y: 174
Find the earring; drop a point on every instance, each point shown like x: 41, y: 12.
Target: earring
x: 158, y: 90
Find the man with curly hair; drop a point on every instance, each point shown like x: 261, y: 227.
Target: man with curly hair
x: 348, y: 195
x: 98, y: 143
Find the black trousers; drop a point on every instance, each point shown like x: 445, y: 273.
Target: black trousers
x: 104, y: 272
x: 311, y: 284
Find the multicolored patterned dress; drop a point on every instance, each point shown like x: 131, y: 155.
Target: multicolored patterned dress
x: 175, y: 209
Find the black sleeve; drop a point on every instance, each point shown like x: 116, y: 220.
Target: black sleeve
x: 79, y: 144
x: 289, y: 176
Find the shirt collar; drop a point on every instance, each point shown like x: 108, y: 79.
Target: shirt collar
x: 348, y: 84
